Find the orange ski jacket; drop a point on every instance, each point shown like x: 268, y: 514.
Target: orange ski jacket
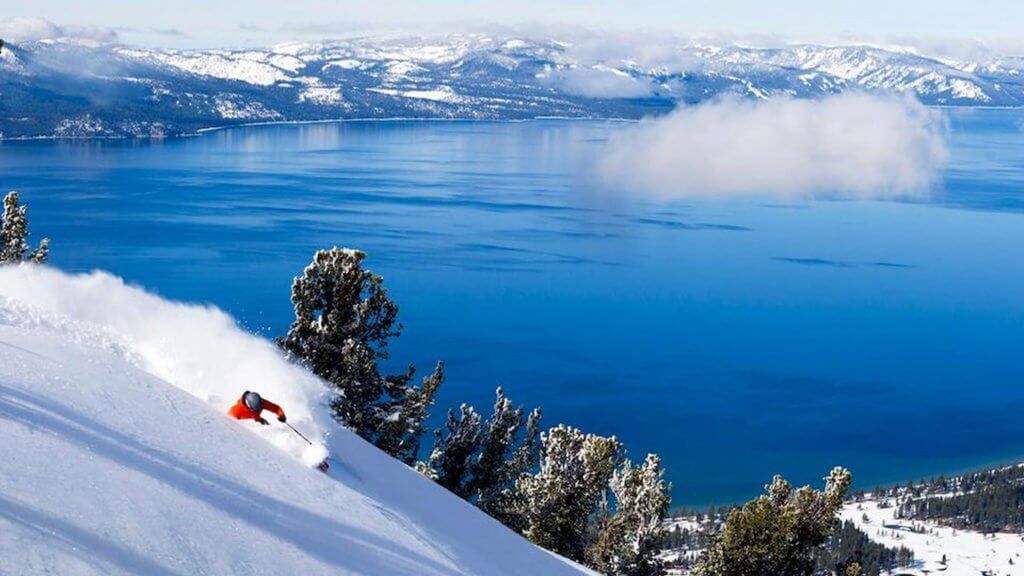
x: 242, y: 412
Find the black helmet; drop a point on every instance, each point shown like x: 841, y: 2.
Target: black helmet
x: 252, y: 401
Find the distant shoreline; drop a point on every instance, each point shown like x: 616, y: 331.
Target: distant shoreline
x: 218, y: 128
x: 209, y: 129
x: 684, y: 509
x: 202, y: 131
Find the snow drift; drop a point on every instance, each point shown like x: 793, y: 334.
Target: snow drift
x: 199, y: 349
x: 118, y: 458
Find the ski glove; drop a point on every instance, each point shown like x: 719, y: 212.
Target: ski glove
x: 262, y: 421
x: 281, y: 418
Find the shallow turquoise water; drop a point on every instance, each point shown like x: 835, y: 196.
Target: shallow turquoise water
x: 737, y: 339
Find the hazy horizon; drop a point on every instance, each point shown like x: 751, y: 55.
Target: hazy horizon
x: 193, y: 24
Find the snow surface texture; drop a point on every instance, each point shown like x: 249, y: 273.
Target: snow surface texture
x: 967, y: 553
x: 119, y: 459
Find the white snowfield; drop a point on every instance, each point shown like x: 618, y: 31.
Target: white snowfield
x: 967, y: 553
x: 116, y: 456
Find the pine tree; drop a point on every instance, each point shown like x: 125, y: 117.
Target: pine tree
x: 344, y: 319
x: 575, y: 469
x: 402, y: 424
x: 493, y: 470
x: 629, y: 541
x: 14, y: 235
x: 511, y: 509
x: 527, y: 457
x: 454, y: 449
x: 776, y: 534
x: 42, y: 253
x: 13, y: 230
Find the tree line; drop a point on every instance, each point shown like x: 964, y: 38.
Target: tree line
x: 849, y: 545
x: 986, y: 501
x: 574, y: 493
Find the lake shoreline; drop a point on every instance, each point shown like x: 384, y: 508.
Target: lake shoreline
x: 389, y: 120
x: 398, y: 119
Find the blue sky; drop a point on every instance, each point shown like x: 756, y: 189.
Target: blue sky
x: 248, y: 22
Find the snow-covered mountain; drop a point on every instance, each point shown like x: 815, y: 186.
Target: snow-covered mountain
x: 118, y: 457
x: 82, y: 88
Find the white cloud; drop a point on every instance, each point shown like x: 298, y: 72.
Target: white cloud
x: 851, y: 145
x: 29, y: 29
x: 601, y: 82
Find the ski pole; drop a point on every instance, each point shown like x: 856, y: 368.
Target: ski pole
x: 299, y: 433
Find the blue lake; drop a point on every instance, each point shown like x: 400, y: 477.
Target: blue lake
x: 738, y: 339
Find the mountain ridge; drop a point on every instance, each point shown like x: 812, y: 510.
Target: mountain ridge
x: 74, y: 88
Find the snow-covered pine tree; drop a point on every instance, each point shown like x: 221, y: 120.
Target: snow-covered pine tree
x: 628, y: 541
x: 454, y: 448
x: 527, y: 457
x: 777, y: 533
x: 416, y: 410
x: 13, y: 230
x: 402, y: 423
x: 344, y: 319
x: 14, y: 234
x: 510, y: 509
x: 492, y: 470
x: 558, y: 500
x: 606, y: 539
x: 42, y: 253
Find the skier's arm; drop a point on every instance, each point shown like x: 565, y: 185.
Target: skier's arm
x: 267, y: 405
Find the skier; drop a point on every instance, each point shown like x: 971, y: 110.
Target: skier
x: 250, y: 407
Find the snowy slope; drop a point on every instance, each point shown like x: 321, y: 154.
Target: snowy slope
x: 118, y: 459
